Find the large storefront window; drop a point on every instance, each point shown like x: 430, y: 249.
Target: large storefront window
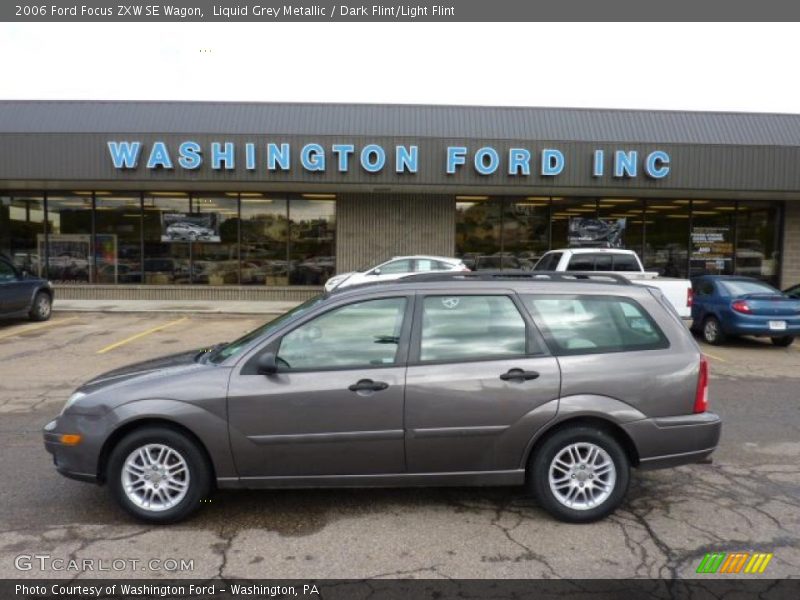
x: 265, y: 236
x: 625, y: 218
x: 118, y: 238
x: 712, y: 238
x: 69, y: 241
x: 21, y: 225
x: 479, y: 222
x: 757, y: 235
x: 666, y: 247
x: 167, y: 235
x: 215, y: 255
x: 312, y: 247
x: 526, y: 230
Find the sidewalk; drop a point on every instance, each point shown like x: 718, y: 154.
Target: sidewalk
x: 174, y: 306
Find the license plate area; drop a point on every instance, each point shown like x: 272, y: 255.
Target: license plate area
x: 777, y: 325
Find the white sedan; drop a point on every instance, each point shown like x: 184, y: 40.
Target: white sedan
x: 395, y: 268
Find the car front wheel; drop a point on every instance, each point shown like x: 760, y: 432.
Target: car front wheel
x: 158, y: 474
x: 42, y: 307
x: 784, y: 341
x: 579, y: 474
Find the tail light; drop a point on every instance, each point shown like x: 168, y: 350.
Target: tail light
x: 689, y: 297
x: 701, y: 396
x: 741, y: 306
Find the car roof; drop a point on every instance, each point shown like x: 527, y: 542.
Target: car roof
x: 543, y: 281
x: 425, y: 256
x: 729, y: 278
x: 595, y: 250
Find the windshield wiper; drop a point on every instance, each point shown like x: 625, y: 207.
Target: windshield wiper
x: 205, y: 353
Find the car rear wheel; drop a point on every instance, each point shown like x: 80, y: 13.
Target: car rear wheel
x: 158, y: 474
x: 579, y: 474
x: 712, y: 331
x: 42, y: 307
x: 784, y: 341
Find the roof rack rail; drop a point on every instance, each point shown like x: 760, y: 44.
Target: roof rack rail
x: 518, y: 275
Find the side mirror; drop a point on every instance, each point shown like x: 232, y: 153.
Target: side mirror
x: 267, y: 364
x: 375, y: 272
x: 24, y: 274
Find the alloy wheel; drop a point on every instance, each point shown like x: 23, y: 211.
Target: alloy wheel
x: 582, y: 476
x: 155, y: 477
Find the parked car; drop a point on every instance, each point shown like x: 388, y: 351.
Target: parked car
x: 727, y: 305
x: 183, y: 231
x: 395, y: 268
x: 440, y: 379
x: 623, y: 262
x: 22, y: 294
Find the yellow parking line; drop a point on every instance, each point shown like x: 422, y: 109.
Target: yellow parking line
x: 719, y: 358
x: 141, y: 335
x: 14, y: 332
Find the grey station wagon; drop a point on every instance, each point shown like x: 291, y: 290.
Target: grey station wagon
x: 561, y: 382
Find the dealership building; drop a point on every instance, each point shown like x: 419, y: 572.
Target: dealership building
x: 246, y: 201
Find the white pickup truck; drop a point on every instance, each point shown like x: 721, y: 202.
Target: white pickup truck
x: 622, y: 262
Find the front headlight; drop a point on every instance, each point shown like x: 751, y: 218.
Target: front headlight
x: 72, y: 400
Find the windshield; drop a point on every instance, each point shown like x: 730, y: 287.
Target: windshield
x: 740, y: 288
x: 236, y: 347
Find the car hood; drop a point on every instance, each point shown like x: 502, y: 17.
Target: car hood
x: 170, y: 364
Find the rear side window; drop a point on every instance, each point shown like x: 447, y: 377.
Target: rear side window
x: 594, y: 324
x: 471, y: 328
x: 549, y: 262
x: 625, y: 262
x: 581, y: 262
x: 396, y: 266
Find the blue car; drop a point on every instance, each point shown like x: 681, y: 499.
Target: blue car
x: 726, y: 305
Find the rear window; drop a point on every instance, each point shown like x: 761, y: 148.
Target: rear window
x: 581, y: 262
x: 625, y: 262
x: 740, y: 288
x: 548, y: 262
x: 594, y: 324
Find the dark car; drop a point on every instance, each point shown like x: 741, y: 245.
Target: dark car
x: 726, y: 305
x: 454, y: 379
x: 22, y: 295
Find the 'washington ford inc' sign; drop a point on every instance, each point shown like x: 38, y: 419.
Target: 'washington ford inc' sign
x: 374, y: 158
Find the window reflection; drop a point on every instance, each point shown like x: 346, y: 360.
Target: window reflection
x: 21, y: 231
x: 265, y: 234
x: 69, y: 241
x: 215, y: 255
x: 667, y: 237
x: 165, y: 262
x: 478, y: 230
x: 312, y: 255
x: 118, y: 227
x: 757, y: 235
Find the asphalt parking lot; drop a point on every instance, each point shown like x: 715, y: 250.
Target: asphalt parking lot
x: 747, y: 500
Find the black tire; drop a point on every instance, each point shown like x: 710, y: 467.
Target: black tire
x: 42, y: 307
x: 712, y: 331
x: 539, y: 466
x: 199, y: 481
x: 784, y: 341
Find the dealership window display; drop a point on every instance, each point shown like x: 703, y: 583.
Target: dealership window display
x: 215, y: 252
x: 312, y: 247
x: 264, y: 239
x: 118, y: 243
x: 166, y: 260
x: 69, y: 238
x: 21, y: 221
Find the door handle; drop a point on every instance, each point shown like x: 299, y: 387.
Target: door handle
x: 367, y: 385
x: 519, y: 375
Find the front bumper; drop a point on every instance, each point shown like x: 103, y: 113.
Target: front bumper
x: 664, y: 442
x: 75, y: 462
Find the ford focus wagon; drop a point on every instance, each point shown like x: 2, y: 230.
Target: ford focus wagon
x: 559, y: 382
